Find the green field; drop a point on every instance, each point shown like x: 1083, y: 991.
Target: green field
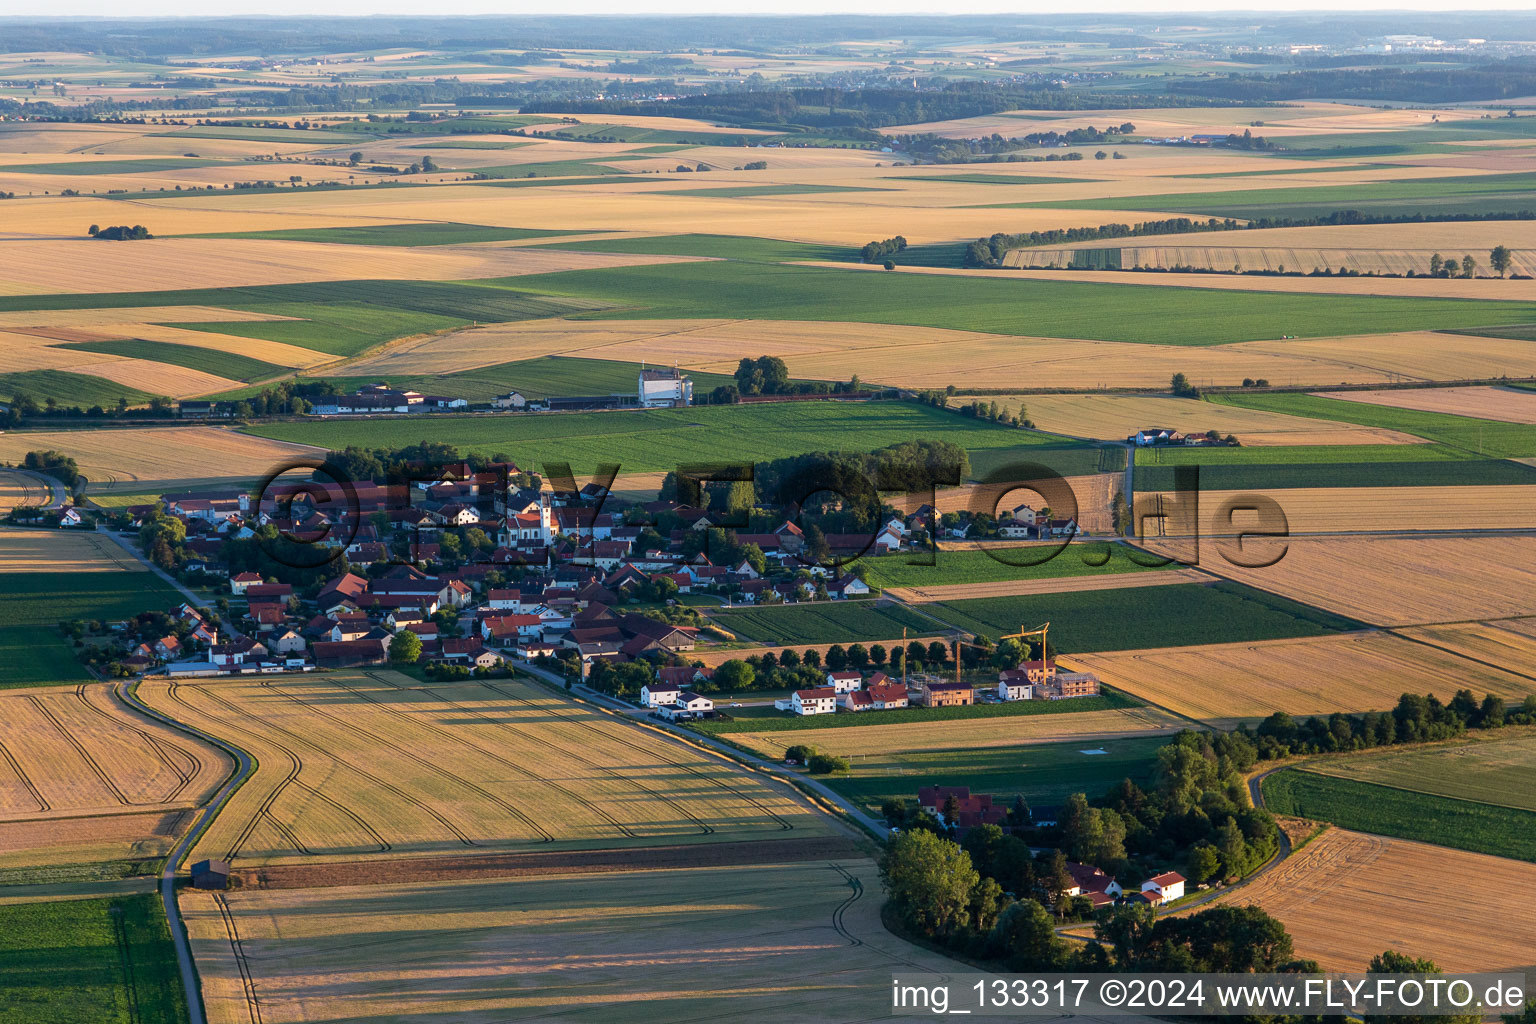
x: 444, y: 233
x: 554, y: 168
x: 208, y: 360
x: 723, y: 247
x: 139, y: 166
x: 1046, y: 774
x: 1404, y: 814
x: 768, y: 719
x: 1179, y: 615
x: 661, y: 439
x: 826, y: 623
x: 1473, y: 438
x: 68, y: 389
x: 327, y: 137
x: 951, y: 567
x: 103, y: 961
x: 1490, y: 771
x: 998, y: 303
x: 32, y: 604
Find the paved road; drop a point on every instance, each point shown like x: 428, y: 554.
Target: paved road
x: 773, y: 769
x: 129, y: 543
x: 243, y: 769
x: 56, y: 491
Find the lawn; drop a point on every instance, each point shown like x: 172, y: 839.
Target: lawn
x: 661, y: 439
x: 1180, y: 615
x: 68, y: 389
x: 998, y: 303
x: 826, y: 622
x: 756, y: 720
x: 32, y: 604
x: 1045, y: 774
x: 103, y: 961
x: 208, y: 360
x: 400, y: 234
x: 1404, y: 814
x: 1474, y: 438
x: 973, y: 566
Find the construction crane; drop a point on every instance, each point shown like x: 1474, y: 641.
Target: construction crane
x: 1023, y: 633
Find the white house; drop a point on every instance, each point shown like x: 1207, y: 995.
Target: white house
x: 693, y: 703
x: 848, y: 586
x: 845, y: 682
x: 820, y: 701
x: 71, y: 517
x: 510, y: 400
x: 654, y: 695
x: 1011, y: 687
x: 1013, y: 531
x: 1169, y: 885
x: 238, y: 583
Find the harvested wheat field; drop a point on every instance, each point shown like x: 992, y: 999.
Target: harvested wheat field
x: 1113, y: 418
x: 88, y: 265
x: 1313, y: 676
x: 790, y: 942
x: 1449, y: 238
x: 84, y: 779
x: 369, y: 764
x: 1006, y: 731
x: 1507, y: 643
x: 1409, y: 892
x: 1509, y: 405
x: 1055, y: 585
x: 1402, y: 581
x: 159, y: 459
x: 17, y: 490
x: 1376, y: 509
x: 63, y: 551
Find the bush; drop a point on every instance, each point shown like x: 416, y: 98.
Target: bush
x: 826, y: 764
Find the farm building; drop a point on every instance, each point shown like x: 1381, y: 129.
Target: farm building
x: 210, y: 874
x: 1155, y: 435
x: 665, y: 388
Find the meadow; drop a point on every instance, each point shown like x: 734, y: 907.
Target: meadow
x: 1475, y: 438
x: 102, y: 961
x: 1183, y: 615
x: 1045, y: 774
x: 68, y: 389
x: 208, y: 360
x: 342, y: 773
x: 32, y: 650
x: 1403, y: 814
x: 976, y: 566
x: 792, y: 943
x: 1407, y: 891
x: 1483, y: 768
x: 661, y: 439
x: 840, y: 622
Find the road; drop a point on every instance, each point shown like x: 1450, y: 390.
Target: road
x: 127, y: 543
x: 773, y: 769
x: 244, y: 766
x: 56, y: 491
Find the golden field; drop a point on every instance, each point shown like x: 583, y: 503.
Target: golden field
x: 18, y: 491
x: 1508, y: 643
x: 1509, y: 405
x: 856, y: 740
x: 362, y: 765
x: 791, y: 942
x: 88, y: 265
x: 84, y: 779
x: 1310, y: 510
x: 1409, y: 892
x: 159, y: 459
x: 1450, y: 238
x: 917, y: 356
x: 1313, y: 676
x: 1401, y: 581
x: 1116, y: 417
x: 62, y: 551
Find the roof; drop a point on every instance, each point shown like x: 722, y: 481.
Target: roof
x: 1167, y: 878
x: 662, y: 686
x: 819, y: 693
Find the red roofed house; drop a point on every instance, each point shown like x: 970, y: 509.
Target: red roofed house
x: 237, y: 584
x: 1169, y: 885
x: 506, y: 629
x: 967, y: 811
x: 1091, y: 881
x: 820, y: 701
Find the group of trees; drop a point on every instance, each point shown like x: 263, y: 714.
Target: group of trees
x: 882, y: 251
x: 1415, y: 719
x: 120, y: 232
x: 995, y: 413
x: 1181, y: 387
x: 1499, y: 258
x: 55, y: 464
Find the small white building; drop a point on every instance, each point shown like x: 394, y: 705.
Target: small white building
x: 654, y: 695
x: 1012, y: 687
x: 510, y: 400
x: 1169, y: 885
x: 820, y: 701
x: 845, y: 682
x: 664, y: 388
x: 238, y: 583
x: 695, y: 704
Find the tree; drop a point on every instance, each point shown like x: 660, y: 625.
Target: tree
x: 94, y: 230
x: 799, y: 752
x: 1500, y: 259
x: 1204, y: 861
x: 858, y: 656
x: 428, y: 164
x: 929, y: 879
x: 1025, y: 936
x: 1436, y: 264
x: 1468, y: 265
x: 1393, y: 962
x: 1182, y: 388
x: 355, y: 159
x: 837, y: 658
x: 826, y: 764
x: 405, y: 648
x: 735, y: 676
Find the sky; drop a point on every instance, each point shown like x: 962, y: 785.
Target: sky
x: 120, y: 8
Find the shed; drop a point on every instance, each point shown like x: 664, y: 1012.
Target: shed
x: 210, y: 874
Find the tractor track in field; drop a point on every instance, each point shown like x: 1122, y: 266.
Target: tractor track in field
x: 237, y: 948
x: 706, y: 777
x: 159, y: 747
x: 842, y: 908
x: 85, y: 755
x: 292, y: 778
x: 21, y: 776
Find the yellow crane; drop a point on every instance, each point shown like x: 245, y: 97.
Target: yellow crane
x: 1023, y: 633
